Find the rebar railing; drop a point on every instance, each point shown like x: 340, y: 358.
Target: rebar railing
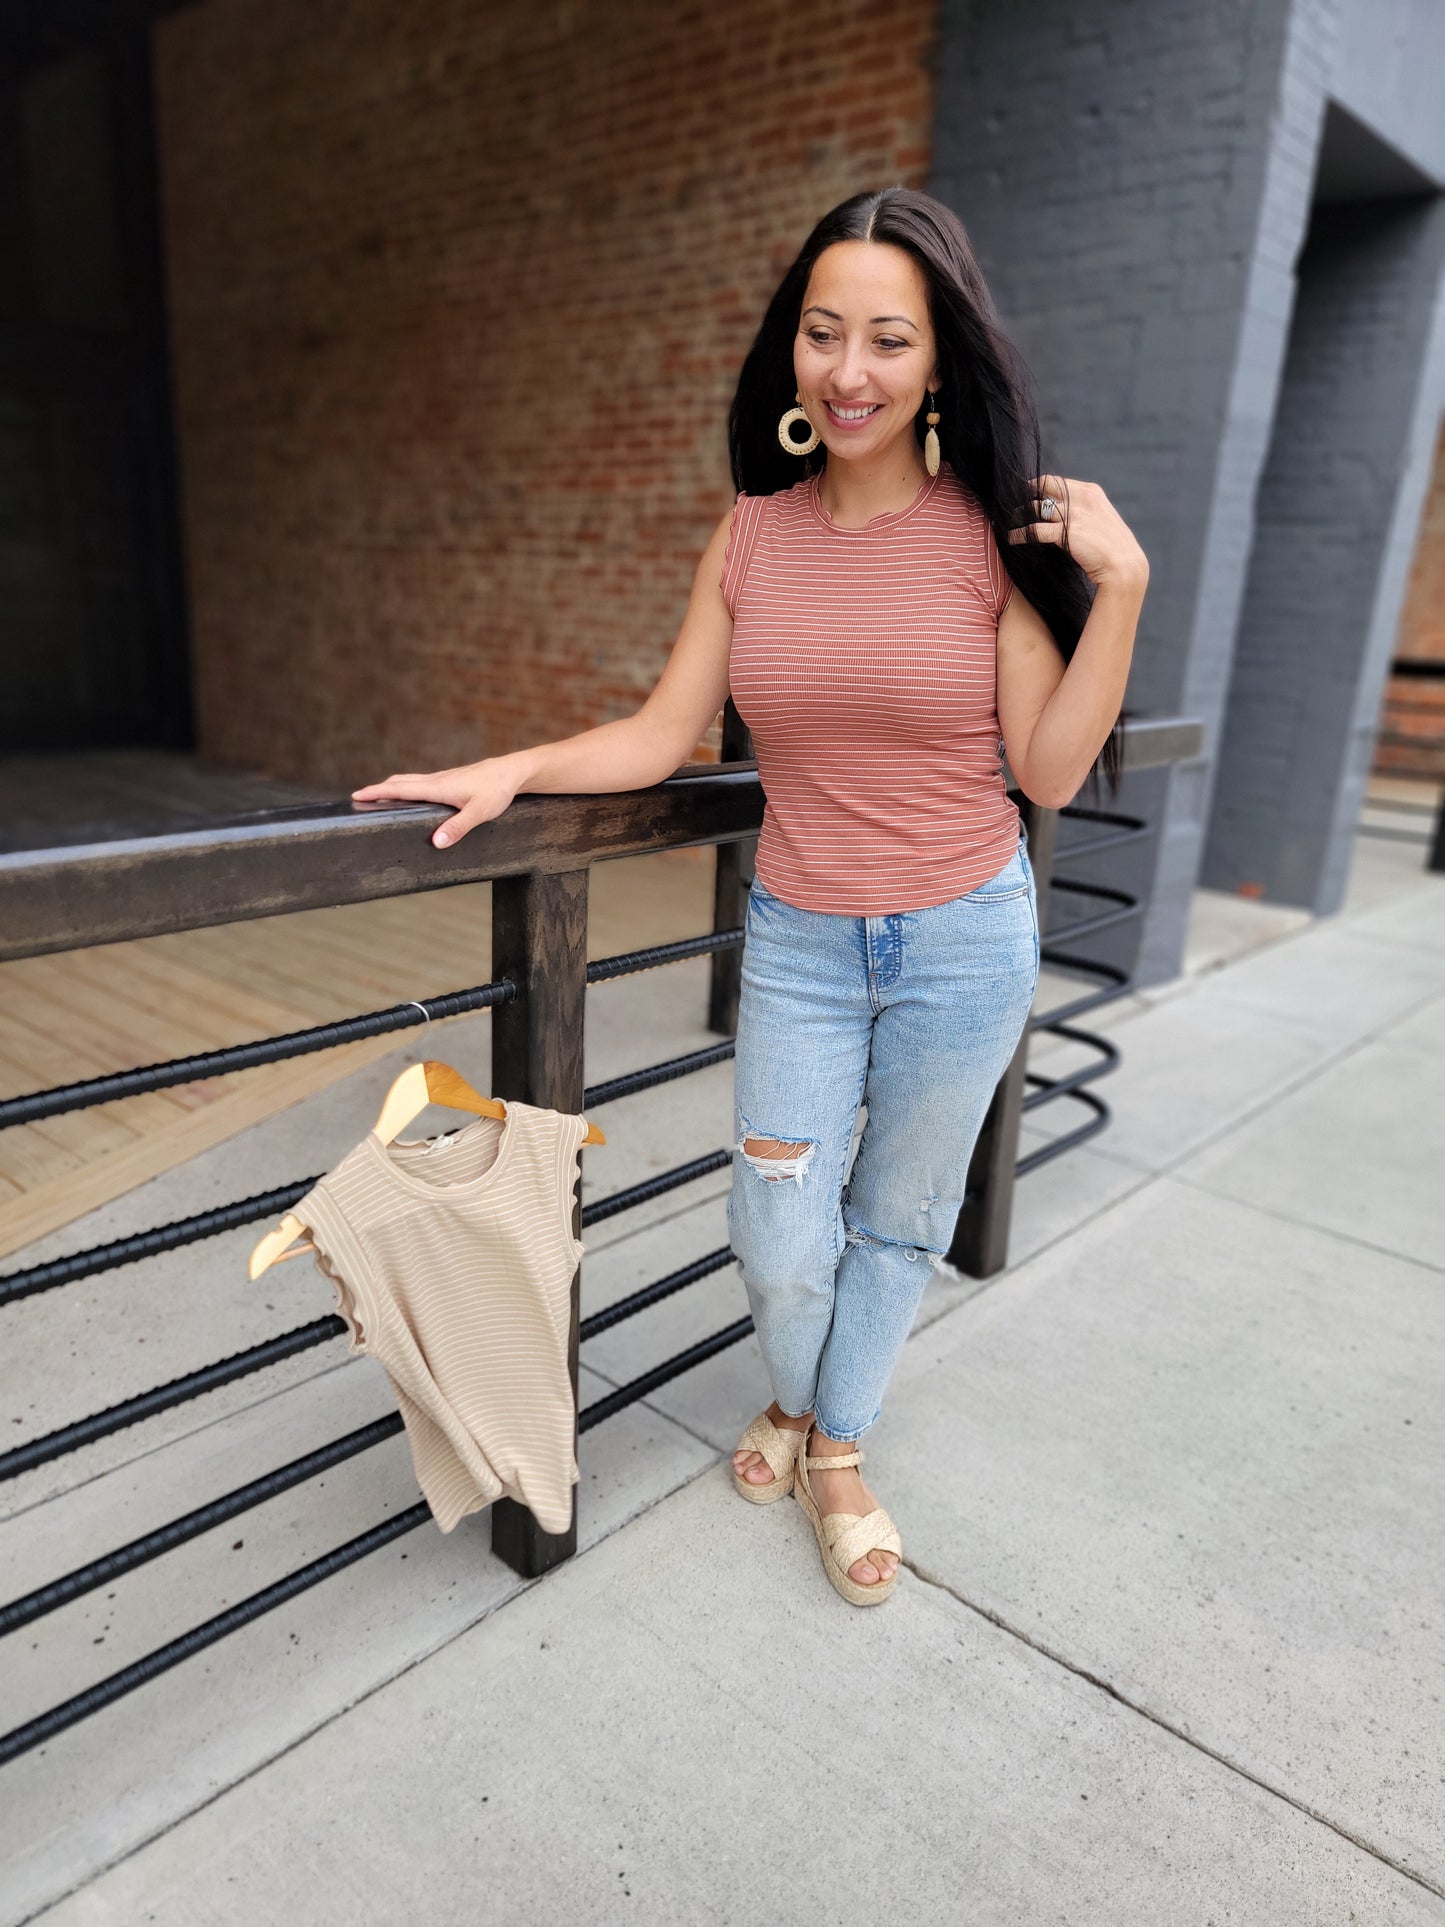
x: 539, y: 936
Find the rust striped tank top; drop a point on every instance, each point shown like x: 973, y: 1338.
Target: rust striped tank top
x: 864, y: 664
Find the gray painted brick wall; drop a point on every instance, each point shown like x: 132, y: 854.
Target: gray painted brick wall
x: 1136, y: 177
x: 1338, y: 506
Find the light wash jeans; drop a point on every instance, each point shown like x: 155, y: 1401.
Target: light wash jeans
x: 916, y: 1015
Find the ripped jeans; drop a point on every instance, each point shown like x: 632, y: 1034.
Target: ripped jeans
x: 916, y: 1015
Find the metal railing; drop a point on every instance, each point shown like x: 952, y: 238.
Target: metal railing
x: 537, y: 857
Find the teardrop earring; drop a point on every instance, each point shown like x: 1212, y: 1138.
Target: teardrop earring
x: 798, y: 414
x: 930, y: 440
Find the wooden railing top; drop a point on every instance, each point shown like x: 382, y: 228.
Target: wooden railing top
x: 263, y: 863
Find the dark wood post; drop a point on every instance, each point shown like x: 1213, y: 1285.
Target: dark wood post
x: 980, y: 1237
x: 539, y: 941
x: 732, y: 879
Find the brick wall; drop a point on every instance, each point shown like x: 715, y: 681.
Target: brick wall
x: 459, y: 292
x: 1412, y: 723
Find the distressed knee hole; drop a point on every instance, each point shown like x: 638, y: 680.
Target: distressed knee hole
x: 856, y: 1235
x: 776, y: 1160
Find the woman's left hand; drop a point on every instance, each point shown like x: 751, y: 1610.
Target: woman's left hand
x: 1099, y: 539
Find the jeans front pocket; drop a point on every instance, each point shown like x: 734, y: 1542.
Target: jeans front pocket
x: 1013, y: 880
x: 760, y: 899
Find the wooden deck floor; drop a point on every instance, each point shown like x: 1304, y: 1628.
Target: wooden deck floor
x: 83, y: 1013
x: 88, y: 795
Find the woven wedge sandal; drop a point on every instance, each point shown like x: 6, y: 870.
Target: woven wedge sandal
x: 779, y: 1447
x: 846, y: 1537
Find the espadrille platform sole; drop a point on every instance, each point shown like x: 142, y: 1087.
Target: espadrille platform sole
x: 846, y: 1537
x: 779, y: 1447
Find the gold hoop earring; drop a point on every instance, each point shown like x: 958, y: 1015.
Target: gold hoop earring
x: 930, y: 440
x: 798, y: 414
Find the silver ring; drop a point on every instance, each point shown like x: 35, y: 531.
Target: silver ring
x: 1048, y: 509
x: 423, y: 1009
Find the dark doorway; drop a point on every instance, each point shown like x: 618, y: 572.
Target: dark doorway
x: 92, y: 606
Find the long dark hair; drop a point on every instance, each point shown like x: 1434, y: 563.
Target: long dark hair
x: 989, y: 434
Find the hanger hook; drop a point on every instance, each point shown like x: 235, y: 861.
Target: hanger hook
x: 424, y: 1011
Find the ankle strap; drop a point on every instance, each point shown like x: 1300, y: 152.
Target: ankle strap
x: 845, y: 1458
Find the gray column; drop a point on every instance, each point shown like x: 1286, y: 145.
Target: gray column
x: 1137, y: 182
x: 1135, y: 179
x: 1335, y: 524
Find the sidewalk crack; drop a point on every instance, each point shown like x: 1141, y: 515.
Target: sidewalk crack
x: 1155, y: 1719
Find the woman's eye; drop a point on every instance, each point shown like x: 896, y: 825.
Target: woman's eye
x: 823, y: 338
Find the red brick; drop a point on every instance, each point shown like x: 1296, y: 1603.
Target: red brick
x: 459, y: 292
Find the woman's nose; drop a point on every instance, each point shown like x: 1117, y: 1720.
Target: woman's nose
x: 852, y: 375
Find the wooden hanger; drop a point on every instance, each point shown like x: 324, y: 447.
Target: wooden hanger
x: 430, y: 1082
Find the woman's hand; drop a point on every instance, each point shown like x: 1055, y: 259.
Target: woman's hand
x: 476, y: 791
x: 1098, y: 537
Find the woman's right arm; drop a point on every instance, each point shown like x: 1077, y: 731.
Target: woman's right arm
x: 630, y: 754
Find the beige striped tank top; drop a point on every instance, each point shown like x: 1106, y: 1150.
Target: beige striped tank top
x: 453, y: 1259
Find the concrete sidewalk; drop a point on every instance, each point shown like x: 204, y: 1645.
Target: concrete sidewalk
x: 1170, y: 1646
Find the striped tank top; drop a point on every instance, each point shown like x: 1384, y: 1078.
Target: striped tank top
x: 453, y: 1259
x: 864, y: 662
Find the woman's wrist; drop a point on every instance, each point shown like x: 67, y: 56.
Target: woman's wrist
x: 1128, y: 580
x: 522, y: 765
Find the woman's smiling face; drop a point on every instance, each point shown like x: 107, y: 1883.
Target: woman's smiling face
x: 864, y: 342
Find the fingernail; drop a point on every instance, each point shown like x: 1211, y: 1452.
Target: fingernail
x: 441, y: 837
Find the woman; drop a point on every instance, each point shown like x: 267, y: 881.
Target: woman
x: 884, y: 651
